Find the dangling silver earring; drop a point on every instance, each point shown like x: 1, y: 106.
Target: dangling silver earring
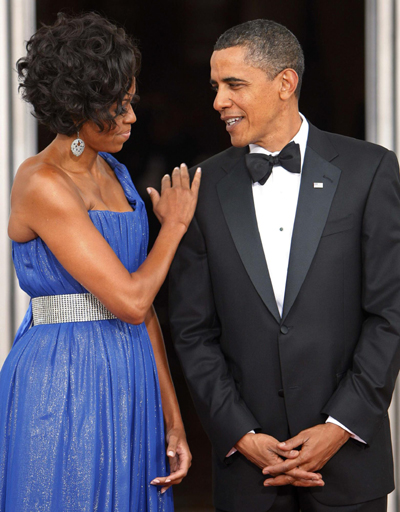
x: 77, y: 146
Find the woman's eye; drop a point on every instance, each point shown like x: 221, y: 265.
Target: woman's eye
x: 135, y: 100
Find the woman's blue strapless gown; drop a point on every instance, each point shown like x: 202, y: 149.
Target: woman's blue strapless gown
x: 81, y: 424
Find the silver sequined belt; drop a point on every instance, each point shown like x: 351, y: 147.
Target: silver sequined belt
x: 75, y: 307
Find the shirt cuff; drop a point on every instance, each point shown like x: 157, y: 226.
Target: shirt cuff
x: 231, y: 452
x: 352, y: 434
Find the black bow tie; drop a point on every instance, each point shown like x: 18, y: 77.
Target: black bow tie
x: 260, y: 165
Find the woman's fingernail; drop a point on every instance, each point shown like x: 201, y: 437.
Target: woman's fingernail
x: 163, y: 491
x: 148, y: 190
x: 171, y: 454
x: 155, y: 481
x: 167, y: 481
x: 198, y: 169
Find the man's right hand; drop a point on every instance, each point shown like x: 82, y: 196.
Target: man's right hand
x: 262, y: 450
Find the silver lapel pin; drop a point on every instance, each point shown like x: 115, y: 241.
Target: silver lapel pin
x: 318, y: 185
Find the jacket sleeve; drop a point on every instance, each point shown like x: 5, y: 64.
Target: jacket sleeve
x: 363, y: 396
x: 196, y: 331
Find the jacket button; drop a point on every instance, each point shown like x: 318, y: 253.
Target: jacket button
x: 281, y: 393
x: 284, y: 329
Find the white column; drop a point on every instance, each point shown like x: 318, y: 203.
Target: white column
x: 24, y: 142
x: 18, y: 140
x: 382, y: 36
x: 5, y: 139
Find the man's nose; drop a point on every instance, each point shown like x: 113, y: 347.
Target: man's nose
x: 222, y: 100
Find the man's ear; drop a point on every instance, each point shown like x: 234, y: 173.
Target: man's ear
x: 288, y: 83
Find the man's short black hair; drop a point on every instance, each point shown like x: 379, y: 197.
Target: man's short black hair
x: 75, y: 70
x: 270, y: 47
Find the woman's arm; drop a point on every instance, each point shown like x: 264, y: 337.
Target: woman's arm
x: 45, y: 202
x: 178, y: 449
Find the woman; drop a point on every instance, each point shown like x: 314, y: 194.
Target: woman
x: 81, y: 424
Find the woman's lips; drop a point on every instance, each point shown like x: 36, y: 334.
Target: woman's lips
x: 125, y: 135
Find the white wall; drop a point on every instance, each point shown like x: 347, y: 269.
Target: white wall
x: 383, y: 127
x: 18, y: 140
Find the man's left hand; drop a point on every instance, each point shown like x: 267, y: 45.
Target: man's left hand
x: 316, y: 445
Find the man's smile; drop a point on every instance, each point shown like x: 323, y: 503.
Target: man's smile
x: 231, y: 121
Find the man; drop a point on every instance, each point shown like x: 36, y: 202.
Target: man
x: 285, y: 294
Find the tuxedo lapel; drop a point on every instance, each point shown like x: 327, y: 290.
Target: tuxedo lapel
x: 236, y: 197
x: 312, y: 212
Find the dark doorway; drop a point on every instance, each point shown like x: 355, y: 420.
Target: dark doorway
x: 176, y: 122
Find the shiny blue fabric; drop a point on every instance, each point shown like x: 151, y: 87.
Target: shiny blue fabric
x: 81, y: 424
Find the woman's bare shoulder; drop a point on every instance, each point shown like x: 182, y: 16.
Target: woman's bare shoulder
x: 40, y: 178
x: 40, y: 188
x: 37, y: 171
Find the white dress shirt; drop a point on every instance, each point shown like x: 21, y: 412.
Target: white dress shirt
x: 275, y: 205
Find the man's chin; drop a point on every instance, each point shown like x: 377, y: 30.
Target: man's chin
x: 238, y: 143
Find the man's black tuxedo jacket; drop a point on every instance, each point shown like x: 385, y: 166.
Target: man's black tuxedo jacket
x: 335, y: 351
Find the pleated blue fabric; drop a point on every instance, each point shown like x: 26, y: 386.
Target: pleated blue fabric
x: 81, y: 424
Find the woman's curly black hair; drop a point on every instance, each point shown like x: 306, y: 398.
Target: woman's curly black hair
x: 75, y: 70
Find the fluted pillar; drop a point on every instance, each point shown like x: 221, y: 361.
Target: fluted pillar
x: 382, y: 38
x: 18, y: 140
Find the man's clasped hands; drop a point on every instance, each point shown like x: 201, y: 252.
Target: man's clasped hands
x: 297, y: 460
